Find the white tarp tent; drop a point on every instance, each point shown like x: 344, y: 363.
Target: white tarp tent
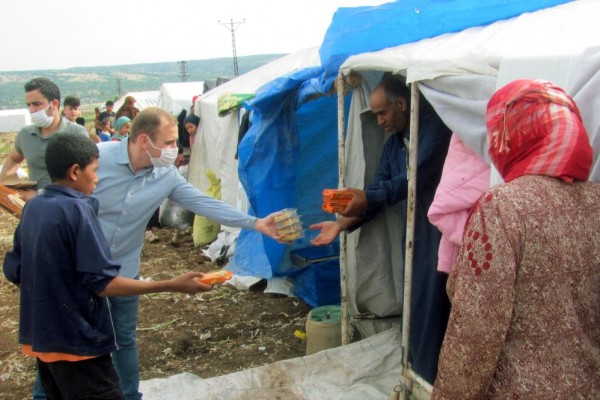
x: 176, y: 97
x: 142, y: 99
x: 217, y: 137
x: 14, y: 120
x: 457, y: 73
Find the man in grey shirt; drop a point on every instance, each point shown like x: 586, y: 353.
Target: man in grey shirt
x: 42, y: 97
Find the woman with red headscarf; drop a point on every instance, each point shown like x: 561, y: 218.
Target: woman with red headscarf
x: 525, y: 290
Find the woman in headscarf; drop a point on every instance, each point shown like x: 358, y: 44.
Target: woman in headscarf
x: 128, y: 109
x: 525, y: 290
x: 191, y: 123
x: 122, y: 128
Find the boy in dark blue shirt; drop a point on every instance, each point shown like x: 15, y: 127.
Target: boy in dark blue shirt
x: 62, y: 263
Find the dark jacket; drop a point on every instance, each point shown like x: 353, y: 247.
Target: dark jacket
x: 61, y: 261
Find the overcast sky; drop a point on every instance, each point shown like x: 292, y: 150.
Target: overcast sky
x: 56, y: 34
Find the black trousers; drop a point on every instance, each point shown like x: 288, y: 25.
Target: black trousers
x: 92, y: 379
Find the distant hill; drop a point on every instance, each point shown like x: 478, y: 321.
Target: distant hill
x: 95, y: 85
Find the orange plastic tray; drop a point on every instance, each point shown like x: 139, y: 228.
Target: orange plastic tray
x: 216, y: 277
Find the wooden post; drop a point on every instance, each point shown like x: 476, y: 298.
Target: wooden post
x: 405, y: 376
x: 345, y: 323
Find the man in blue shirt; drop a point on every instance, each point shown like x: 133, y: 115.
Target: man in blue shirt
x: 135, y: 176
x: 390, y: 102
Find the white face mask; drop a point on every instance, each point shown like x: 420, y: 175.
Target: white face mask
x: 41, y: 119
x: 168, y: 155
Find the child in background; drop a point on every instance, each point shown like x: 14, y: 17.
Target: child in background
x: 122, y: 128
x: 62, y: 264
x: 104, y: 133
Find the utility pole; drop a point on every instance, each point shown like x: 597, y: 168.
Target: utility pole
x: 232, y: 26
x: 119, y: 87
x: 183, y: 72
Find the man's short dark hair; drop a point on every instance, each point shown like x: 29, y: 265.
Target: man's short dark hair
x: 395, y: 87
x: 110, y: 103
x: 80, y: 121
x: 67, y: 149
x: 46, y: 87
x: 72, y: 101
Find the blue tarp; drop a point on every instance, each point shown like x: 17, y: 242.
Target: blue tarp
x: 286, y: 159
x: 359, y: 30
x: 289, y: 155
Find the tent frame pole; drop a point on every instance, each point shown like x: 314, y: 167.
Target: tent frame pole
x: 406, y: 381
x: 345, y: 323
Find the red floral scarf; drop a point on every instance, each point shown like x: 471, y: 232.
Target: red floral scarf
x: 534, y: 128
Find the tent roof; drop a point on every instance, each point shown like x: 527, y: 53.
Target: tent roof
x: 177, y: 96
x: 365, y: 29
x: 480, y: 50
x: 252, y: 80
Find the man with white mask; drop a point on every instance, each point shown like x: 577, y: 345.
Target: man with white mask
x: 42, y: 97
x: 135, y: 176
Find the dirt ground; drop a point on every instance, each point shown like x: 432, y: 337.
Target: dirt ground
x: 209, y: 334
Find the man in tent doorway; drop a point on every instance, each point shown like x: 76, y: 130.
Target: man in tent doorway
x: 390, y: 102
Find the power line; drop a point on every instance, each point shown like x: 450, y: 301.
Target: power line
x: 232, y: 26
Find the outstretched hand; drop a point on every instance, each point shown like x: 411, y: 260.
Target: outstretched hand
x: 329, y: 231
x: 190, y: 283
x: 267, y: 226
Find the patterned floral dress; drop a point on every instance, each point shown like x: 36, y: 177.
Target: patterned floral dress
x: 525, y: 292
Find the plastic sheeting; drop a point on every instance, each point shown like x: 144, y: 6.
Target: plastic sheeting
x: 368, y: 369
x: 366, y: 29
x: 585, y: 89
x: 286, y: 159
x: 480, y: 50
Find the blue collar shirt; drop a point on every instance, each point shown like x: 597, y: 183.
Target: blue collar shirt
x: 128, y: 199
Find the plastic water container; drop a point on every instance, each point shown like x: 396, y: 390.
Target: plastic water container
x: 323, y: 328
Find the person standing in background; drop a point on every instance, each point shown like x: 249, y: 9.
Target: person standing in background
x: 128, y: 109
x: 122, y: 128
x: 107, y: 115
x: 42, y: 97
x: 70, y: 110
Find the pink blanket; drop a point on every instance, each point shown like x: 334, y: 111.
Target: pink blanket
x: 465, y: 178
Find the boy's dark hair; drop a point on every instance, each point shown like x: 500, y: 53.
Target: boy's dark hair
x: 46, y: 87
x: 67, y: 149
x: 72, y: 101
x: 80, y: 121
